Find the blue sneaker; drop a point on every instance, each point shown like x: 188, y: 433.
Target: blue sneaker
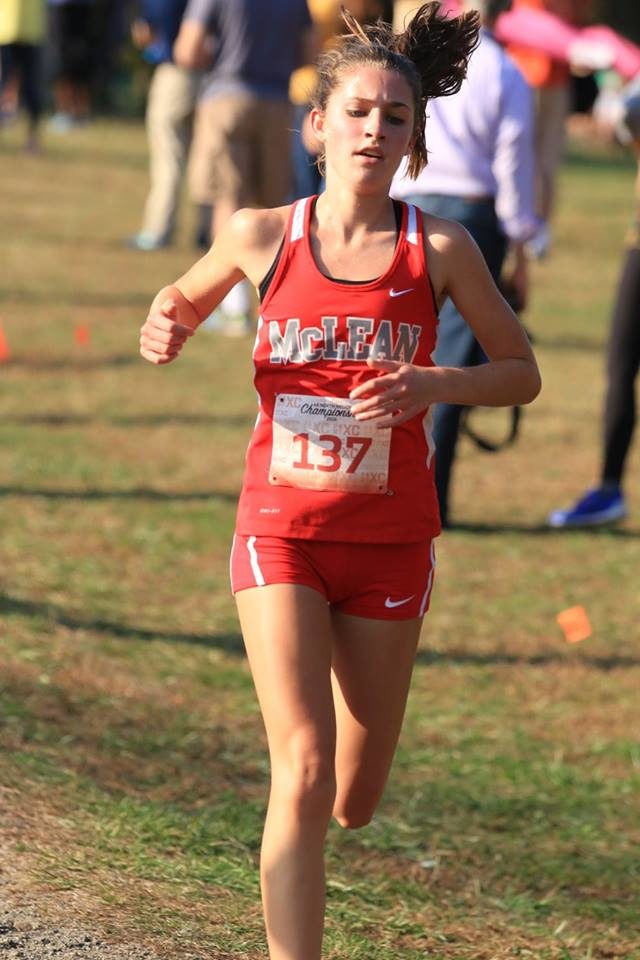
x: 597, y: 506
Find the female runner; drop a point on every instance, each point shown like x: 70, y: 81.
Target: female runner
x: 332, y: 561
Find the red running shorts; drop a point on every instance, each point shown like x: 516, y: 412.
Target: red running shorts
x: 380, y: 581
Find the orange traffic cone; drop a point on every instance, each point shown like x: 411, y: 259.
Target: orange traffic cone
x: 82, y: 335
x: 5, y: 352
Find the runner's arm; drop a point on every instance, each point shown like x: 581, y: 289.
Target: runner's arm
x: 511, y: 376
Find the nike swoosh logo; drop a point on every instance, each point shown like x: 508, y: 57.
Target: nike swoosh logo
x: 397, y: 603
x: 399, y: 293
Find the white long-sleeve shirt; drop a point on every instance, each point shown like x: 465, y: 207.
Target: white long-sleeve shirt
x: 480, y: 141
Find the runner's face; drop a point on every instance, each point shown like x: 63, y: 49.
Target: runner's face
x: 367, y: 127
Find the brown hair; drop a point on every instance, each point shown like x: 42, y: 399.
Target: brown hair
x: 431, y: 54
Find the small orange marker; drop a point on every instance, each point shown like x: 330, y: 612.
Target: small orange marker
x: 5, y: 352
x: 82, y: 335
x: 574, y: 623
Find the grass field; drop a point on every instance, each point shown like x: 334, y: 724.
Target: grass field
x: 133, y: 763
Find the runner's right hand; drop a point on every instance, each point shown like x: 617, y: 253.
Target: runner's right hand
x: 165, y: 331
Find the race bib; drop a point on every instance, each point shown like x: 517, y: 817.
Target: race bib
x: 319, y: 445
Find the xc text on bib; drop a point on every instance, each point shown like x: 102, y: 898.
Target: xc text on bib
x: 319, y: 445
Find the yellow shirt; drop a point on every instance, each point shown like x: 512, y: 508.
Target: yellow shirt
x: 326, y: 17
x: 22, y: 21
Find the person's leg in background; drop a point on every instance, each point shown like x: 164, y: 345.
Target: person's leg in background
x: 31, y: 87
x: 605, y: 503
x: 552, y: 108
x: 21, y: 67
x: 71, y: 89
x: 273, y: 131
x: 221, y: 174
x: 456, y: 346
x: 169, y: 116
x: 254, y: 163
x: 623, y: 362
x: 9, y: 84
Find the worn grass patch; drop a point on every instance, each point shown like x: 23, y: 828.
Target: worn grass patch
x: 133, y: 759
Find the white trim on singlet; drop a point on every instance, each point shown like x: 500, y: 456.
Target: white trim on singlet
x: 297, y: 222
x: 412, y: 225
x: 427, y: 426
x: 253, y: 560
x: 233, y: 547
x: 427, y: 593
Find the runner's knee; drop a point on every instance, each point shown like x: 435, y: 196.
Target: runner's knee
x: 305, y: 781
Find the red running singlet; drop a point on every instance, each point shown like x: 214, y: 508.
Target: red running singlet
x: 312, y: 469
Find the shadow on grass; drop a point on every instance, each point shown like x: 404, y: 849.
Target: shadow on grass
x: 232, y: 642
x: 539, y: 530
x: 77, y: 298
x: 501, y: 658
x: 77, y: 363
x: 134, y: 493
x: 142, y: 420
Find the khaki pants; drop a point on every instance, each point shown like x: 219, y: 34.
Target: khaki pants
x: 241, y: 151
x: 552, y: 108
x: 172, y: 96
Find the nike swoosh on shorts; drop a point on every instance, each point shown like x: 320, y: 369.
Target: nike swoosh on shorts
x: 397, y: 603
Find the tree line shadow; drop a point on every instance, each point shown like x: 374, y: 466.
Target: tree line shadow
x: 77, y: 298
x: 134, y: 493
x: 75, y: 362
x: 138, y: 420
x: 12, y: 606
x: 540, y: 530
x: 231, y: 641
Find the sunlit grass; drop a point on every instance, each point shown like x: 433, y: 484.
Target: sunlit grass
x: 134, y: 764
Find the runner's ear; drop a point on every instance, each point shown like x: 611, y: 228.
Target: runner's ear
x: 316, y: 119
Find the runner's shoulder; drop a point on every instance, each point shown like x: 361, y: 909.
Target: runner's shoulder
x: 251, y: 229
x: 444, y: 235
x: 447, y: 245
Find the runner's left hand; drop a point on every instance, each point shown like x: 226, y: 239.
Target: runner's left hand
x: 399, y: 393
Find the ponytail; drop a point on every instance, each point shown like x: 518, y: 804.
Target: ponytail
x: 440, y: 48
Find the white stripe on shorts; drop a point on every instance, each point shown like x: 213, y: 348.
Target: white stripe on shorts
x: 253, y: 559
x: 427, y: 593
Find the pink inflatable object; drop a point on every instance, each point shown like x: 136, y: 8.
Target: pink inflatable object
x: 546, y: 33
x: 626, y: 55
x: 537, y: 29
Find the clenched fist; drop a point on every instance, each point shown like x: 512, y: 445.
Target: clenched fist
x: 166, y: 329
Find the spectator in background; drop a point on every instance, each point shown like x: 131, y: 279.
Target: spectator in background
x: 550, y: 80
x: 71, y: 31
x: 170, y: 107
x: 605, y: 503
x: 307, y: 179
x: 306, y: 176
x: 241, y: 148
x: 22, y: 31
x: 480, y: 173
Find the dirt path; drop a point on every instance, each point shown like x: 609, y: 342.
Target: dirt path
x: 23, y: 936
